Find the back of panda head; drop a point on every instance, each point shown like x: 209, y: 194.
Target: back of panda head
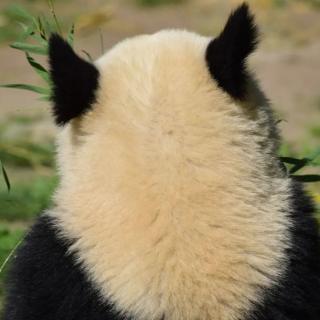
x: 75, y: 80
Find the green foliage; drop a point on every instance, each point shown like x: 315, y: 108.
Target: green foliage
x: 34, y: 37
x: 26, y: 198
x: 9, y: 16
x: 5, y: 176
x: 34, y: 40
x: 9, y: 239
x: 295, y: 164
x: 27, y: 154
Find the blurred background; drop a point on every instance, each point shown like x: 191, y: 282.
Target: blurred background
x: 287, y: 64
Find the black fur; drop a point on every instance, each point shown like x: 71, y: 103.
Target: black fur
x: 74, y: 80
x: 297, y: 297
x: 47, y: 284
x: 226, y: 55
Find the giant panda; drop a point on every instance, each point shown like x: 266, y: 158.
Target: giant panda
x: 173, y: 203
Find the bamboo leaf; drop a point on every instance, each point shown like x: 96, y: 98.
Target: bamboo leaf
x: 53, y: 13
x: 297, y: 163
x: 10, y: 256
x: 26, y: 47
x: 307, y: 178
x: 70, y: 37
x: 42, y: 72
x: 28, y: 87
x: 290, y: 160
x: 27, y: 31
x: 45, y: 97
x: 88, y: 55
x: 5, y: 176
x: 20, y: 12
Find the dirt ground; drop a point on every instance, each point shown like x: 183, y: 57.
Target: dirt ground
x: 287, y: 62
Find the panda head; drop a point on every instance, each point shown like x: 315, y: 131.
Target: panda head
x: 167, y: 155
x: 156, y: 101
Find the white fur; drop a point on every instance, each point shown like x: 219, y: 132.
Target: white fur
x: 171, y: 189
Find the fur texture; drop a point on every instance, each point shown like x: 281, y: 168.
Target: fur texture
x: 172, y: 198
x: 74, y: 81
x: 226, y: 55
x: 47, y: 283
x: 180, y: 227
x: 296, y: 296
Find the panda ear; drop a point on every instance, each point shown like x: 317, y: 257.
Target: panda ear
x: 74, y: 81
x: 226, y: 55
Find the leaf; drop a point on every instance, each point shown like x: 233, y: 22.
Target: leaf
x: 42, y: 72
x: 45, y: 97
x: 290, y: 160
x: 27, y: 87
x: 88, y: 55
x: 307, y: 178
x: 53, y: 13
x: 297, y: 163
x: 26, y: 47
x: 10, y: 255
x: 47, y: 26
x: 70, y: 37
x: 20, y: 12
x: 27, y: 31
x: 5, y: 176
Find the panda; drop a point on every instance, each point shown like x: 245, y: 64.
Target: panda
x: 172, y: 202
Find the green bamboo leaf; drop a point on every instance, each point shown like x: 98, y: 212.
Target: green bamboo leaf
x: 20, y: 12
x: 10, y: 256
x: 307, y: 178
x: 42, y: 50
x: 41, y: 28
x: 298, y: 164
x: 28, y: 87
x: 27, y: 31
x: 290, y: 160
x: 42, y: 72
x: 303, y: 163
x: 45, y: 97
x: 41, y: 41
x: 70, y: 37
x: 47, y: 26
x: 5, y: 176
x: 53, y: 13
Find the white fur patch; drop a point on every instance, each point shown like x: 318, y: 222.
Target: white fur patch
x: 171, y: 189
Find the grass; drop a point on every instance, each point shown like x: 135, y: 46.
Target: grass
x: 9, y: 238
x: 30, y: 169
x: 26, y: 199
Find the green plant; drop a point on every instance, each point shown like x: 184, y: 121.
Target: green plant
x: 295, y: 164
x: 9, y: 241
x: 5, y: 176
x: 34, y: 41
x: 27, y: 199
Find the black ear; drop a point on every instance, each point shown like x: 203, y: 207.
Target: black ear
x: 226, y: 55
x: 74, y: 81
